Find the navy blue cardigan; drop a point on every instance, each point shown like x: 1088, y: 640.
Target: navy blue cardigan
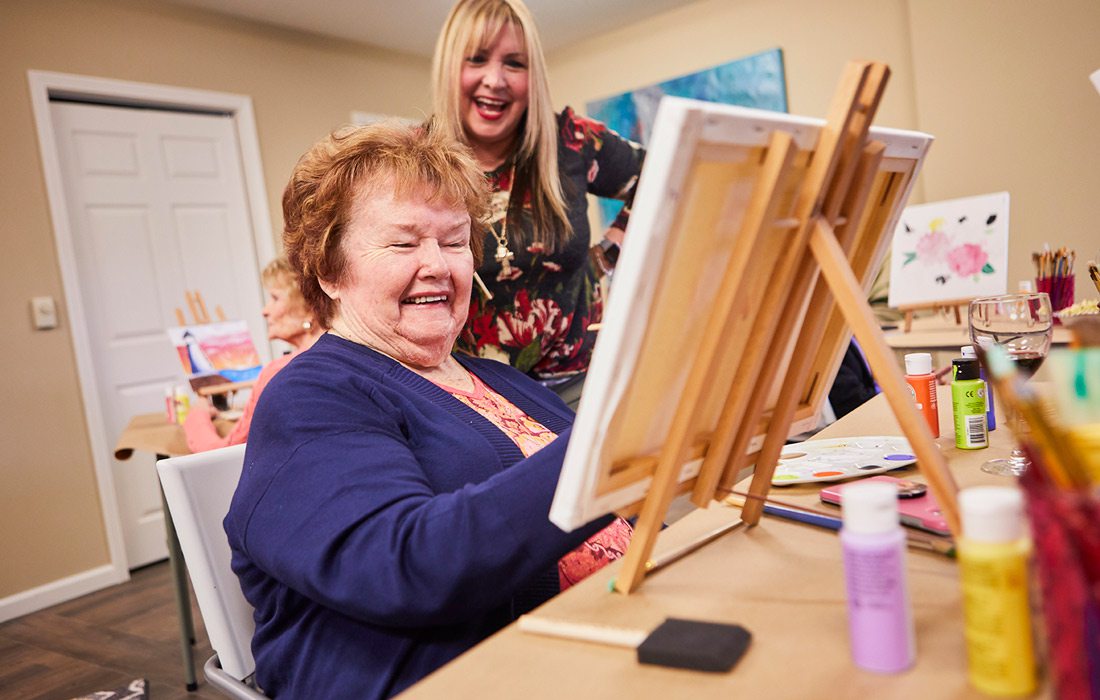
x: 381, y: 527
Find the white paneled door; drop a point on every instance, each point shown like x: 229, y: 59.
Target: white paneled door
x: 157, y: 206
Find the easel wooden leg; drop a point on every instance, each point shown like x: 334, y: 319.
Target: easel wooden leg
x: 698, y: 386
x: 945, y: 309
x: 835, y: 162
x: 794, y: 384
x: 193, y: 305
x: 849, y: 296
x: 758, y: 223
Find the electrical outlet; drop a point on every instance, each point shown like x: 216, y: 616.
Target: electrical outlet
x: 44, y: 312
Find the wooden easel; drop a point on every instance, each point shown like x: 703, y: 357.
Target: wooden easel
x: 819, y: 238
x: 197, y: 307
x: 947, y: 308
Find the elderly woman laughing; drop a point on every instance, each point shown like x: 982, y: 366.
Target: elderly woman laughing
x: 392, y: 509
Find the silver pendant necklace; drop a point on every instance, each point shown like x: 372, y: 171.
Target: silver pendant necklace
x: 504, y: 255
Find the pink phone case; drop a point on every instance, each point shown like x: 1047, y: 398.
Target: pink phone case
x: 921, y: 512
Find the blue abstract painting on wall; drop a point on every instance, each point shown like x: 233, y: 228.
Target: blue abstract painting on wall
x: 754, y: 81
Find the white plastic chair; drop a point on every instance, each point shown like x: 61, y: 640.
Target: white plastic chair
x: 198, y: 489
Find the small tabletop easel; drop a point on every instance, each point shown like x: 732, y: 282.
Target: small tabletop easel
x: 944, y: 307
x: 198, y: 309
x: 220, y: 391
x: 821, y: 246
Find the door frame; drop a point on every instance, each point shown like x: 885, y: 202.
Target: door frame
x: 43, y: 86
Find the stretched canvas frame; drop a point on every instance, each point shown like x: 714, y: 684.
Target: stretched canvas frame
x: 695, y: 372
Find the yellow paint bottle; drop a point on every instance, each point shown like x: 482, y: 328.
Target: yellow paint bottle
x: 993, y: 557
x: 183, y: 403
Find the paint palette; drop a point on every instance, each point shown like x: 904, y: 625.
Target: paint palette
x: 841, y: 458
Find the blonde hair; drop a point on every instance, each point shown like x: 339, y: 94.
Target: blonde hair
x: 279, y: 273
x: 317, y: 200
x: 471, y: 25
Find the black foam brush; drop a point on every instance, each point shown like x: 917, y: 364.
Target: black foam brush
x: 676, y: 643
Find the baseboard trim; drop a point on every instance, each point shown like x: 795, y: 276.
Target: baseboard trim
x: 59, y: 591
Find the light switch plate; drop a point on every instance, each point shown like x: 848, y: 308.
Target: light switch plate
x: 44, y: 312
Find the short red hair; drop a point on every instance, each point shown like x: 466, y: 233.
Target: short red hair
x: 317, y: 200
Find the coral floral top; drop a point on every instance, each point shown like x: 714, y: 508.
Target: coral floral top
x: 530, y: 436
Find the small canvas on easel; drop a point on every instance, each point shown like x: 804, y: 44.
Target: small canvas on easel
x: 949, y: 251
x: 223, y: 349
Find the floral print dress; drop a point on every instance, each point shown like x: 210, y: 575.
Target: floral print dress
x: 542, y: 306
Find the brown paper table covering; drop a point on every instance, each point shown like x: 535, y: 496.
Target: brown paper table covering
x: 151, y: 432
x: 782, y: 580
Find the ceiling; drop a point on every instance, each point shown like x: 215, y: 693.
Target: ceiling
x: 410, y: 26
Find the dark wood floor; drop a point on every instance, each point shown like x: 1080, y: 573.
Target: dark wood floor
x: 106, y: 639
x: 103, y: 641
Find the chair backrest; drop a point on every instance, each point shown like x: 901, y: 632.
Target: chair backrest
x: 198, y: 489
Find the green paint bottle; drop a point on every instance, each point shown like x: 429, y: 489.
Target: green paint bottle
x: 968, y: 404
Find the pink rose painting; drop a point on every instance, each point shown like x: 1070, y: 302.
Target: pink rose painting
x: 968, y: 259
x: 932, y: 247
x: 935, y: 247
x: 965, y: 260
x: 950, y: 250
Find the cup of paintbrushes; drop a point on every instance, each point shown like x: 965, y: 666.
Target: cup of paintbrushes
x: 1060, y: 290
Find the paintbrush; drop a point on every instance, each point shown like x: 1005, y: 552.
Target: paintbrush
x: 1094, y: 273
x: 813, y: 516
x: 482, y: 287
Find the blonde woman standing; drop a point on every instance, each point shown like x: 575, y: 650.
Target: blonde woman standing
x: 490, y: 92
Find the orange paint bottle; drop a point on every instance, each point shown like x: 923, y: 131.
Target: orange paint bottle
x: 922, y: 386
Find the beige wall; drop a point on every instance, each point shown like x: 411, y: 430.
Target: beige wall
x: 1002, y: 85
x: 301, y: 87
x: 710, y: 32
x: 715, y: 31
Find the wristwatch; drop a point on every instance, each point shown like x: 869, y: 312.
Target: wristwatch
x: 605, y: 255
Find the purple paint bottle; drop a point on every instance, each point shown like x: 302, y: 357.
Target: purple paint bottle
x: 880, y: 620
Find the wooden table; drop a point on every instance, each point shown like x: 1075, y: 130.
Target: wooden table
x: 782, y: 580
x: 151, y: 432
x: 942, y: 337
